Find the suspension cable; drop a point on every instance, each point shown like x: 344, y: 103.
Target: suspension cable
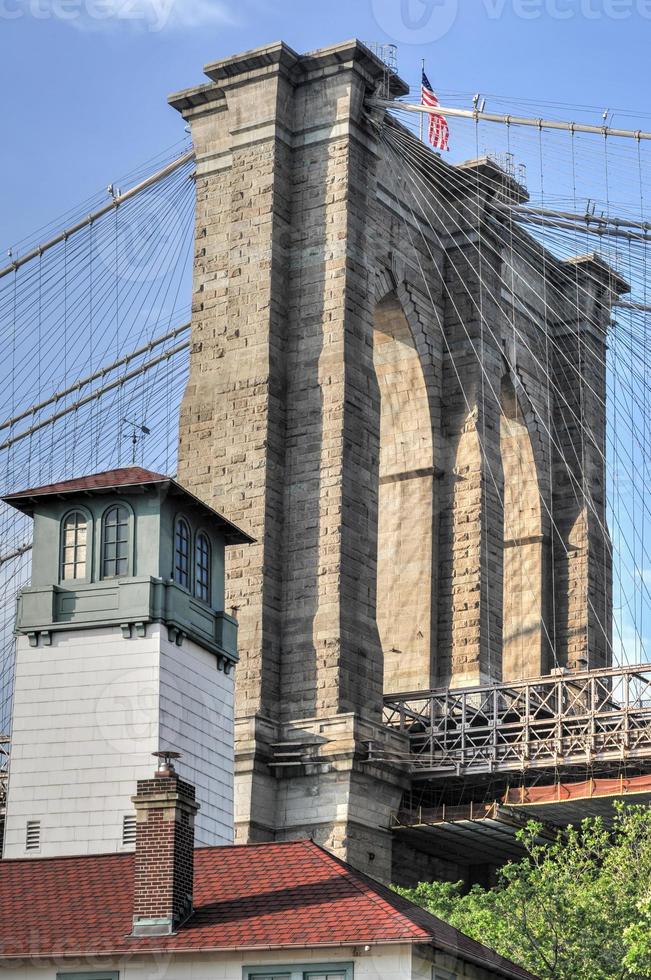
x: 113, y: 203
x: 508, y: 120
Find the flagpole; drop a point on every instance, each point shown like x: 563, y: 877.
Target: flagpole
x: 422, y: 118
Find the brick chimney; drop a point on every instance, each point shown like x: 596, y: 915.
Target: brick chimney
x: 164, y: 859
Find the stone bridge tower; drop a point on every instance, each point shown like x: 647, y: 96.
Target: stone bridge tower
x: 391, y: 456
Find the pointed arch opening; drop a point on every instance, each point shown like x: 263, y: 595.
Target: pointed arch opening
x: 405, y: 503
x: 524, y: 644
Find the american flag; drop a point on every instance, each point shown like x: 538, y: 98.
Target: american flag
x: 438, y: 132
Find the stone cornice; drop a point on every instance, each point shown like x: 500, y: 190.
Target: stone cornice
x: 250, y: 63
x: 279, y: 59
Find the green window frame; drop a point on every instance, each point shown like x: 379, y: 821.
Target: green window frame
x: 116, y: 541
x: 327, y: 973
x: 74, y: 548
x: 182, y: 548
x: 93, y: 975
x: 202, y: 567
x: 299, y: 971
x: 268, y: 976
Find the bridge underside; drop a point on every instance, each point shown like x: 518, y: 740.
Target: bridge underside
x: 567, y: 803
x: 474, y: 834
x: 480, y: 837
x: 484, y: 760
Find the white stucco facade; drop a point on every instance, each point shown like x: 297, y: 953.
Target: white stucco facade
x: 88, y: 712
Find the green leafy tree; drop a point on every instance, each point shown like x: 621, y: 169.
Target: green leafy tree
x: 575, y: 908
x: 637, y: 937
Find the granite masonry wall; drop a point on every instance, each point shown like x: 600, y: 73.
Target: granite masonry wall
x: 369, y: 397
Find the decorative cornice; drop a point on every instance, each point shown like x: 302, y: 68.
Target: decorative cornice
x: 131, y: 605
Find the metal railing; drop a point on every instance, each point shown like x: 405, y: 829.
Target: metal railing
x: 564, y: 719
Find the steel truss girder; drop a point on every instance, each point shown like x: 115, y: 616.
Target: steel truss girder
x: 568, y: 718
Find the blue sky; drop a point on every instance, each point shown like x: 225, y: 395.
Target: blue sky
x: 84, y: 97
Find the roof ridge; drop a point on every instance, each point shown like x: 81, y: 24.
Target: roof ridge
x: 129, y: 476
x: 121, y: 478
x: 367, y: 886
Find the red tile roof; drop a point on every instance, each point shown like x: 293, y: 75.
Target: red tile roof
x: 127, y: 476
x: 259, y: 895
x: 121, y: 479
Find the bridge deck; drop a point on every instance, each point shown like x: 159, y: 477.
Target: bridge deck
x: 571, y: 718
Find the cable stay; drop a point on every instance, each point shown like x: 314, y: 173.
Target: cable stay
x: 102, y: 372
x: 95, y: 395
x: 112, y: 205
x: 587, y: 218
x: 626, y: 304
x: 600, y: 231
x: 598, y: 225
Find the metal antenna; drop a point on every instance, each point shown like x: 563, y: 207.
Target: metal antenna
x: 138, y: 431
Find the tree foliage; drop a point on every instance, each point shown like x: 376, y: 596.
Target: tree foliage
x: 575, y: 908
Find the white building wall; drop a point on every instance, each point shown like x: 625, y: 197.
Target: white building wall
x: 196, y: 719
x: 380, y: 963
x: 88, y: 712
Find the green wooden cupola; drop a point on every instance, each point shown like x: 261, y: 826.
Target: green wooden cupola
x: 126, y: 548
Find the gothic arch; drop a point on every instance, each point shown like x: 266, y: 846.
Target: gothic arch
x: 525, y: 545
x: 406, y: 519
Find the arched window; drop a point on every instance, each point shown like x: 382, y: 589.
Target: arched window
x: 202, y: 567
x: 182, y: 553
x: 74, y: 543
x: 115, y: 542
